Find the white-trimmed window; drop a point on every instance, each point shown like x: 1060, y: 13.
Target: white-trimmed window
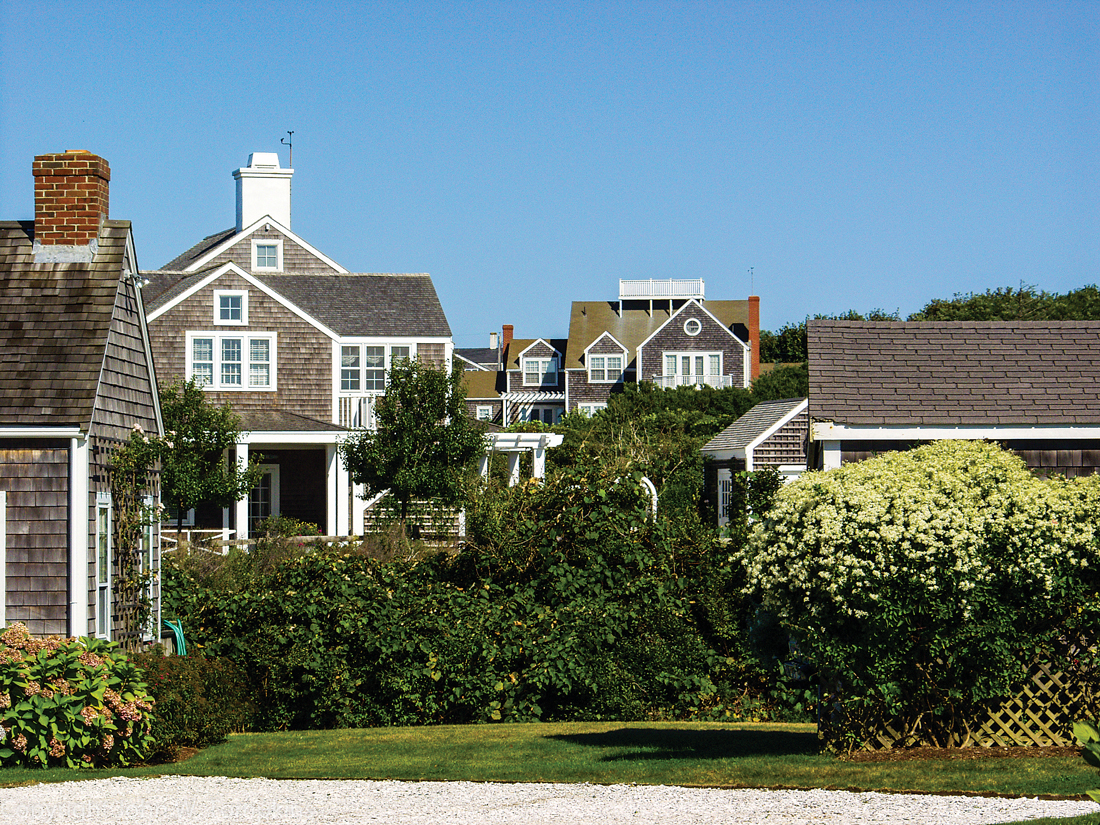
x: 547, y: 415
x: 539, y: 371
x: 220, y: 361
x: 605, y: 369
x: 267, y: 254
x: 103, y: 559
x: 591, y: 409
x: 693, y: 326
x: 230, y: 307
x: 484, y: 412
x: 363, y: 367
x: 694, y: 364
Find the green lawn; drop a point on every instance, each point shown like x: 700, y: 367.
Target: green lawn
x: 709, y: 754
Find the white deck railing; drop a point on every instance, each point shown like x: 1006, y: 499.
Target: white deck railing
x: 667, y: 382
x: 653, y: 289
x: 355, y: 411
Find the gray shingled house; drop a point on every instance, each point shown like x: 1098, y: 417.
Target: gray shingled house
x: 1032, y: 386
x: 76, y: 378
x: 771, y: 434
x: 296, y: 344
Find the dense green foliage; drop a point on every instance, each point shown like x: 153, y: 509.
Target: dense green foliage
x: 197, y: 434
x: 424, y: 444
x: 70, y: 702
x: 1088, y: 735
x: 923, y: 584
x: 1008, y: 304
x: 568, y: 602
x: 199, y: 701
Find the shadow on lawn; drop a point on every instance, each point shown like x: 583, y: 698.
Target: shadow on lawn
x: 674, y: 743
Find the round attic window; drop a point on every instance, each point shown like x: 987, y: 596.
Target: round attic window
x: 693, y: 326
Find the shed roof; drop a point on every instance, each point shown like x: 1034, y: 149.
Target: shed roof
x: 955, y: 373
x: 753, y: 425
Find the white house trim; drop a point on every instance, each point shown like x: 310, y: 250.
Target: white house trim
x: 3, y: 557
x: 41, y: 432
x: 233, y: 240
x: 258, y: 284
x: 673, y: 317
x: 828, y: 431
x: 79, y: 515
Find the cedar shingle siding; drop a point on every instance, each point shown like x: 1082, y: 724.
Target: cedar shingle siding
x: 712, y: 338
x: 787, y: 445
x: 295, y: 259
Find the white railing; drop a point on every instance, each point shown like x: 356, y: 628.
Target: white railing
x: 664, y: 289
x: 355, y: 411
x: 667, y: 382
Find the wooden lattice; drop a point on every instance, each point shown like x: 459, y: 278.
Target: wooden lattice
x: 1041, y: 714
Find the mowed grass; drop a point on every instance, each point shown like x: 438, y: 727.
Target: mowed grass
x: 699, y: 754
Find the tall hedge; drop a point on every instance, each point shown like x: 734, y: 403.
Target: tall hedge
x: 923, y: 584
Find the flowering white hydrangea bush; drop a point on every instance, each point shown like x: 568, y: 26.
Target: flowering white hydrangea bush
x: 924, y: 582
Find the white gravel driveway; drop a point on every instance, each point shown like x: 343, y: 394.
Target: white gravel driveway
x: 216, y: 800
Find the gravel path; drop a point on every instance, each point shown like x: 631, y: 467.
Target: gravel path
x: 215, y: 800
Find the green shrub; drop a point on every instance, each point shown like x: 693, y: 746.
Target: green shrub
x: 199, y: 701
x: 924, y: 584
x: 70, y: 702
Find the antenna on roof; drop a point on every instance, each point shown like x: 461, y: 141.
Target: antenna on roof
x: 289, y: 143
x: 751, y: 268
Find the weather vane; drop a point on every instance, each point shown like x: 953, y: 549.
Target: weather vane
x: 289, y: 143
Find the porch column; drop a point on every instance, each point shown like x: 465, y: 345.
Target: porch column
x: 332, y: 485
x: 358, y: 509
x: 343, y: 491
x: 513, y: 469
x: 830, y: 455
x: 483, y: 464
x: 242, y: 504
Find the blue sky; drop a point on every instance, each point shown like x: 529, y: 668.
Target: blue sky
x: 854, y: 155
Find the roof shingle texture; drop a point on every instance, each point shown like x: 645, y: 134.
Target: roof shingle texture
x: 54, y: 323
x: 753, y: 424
x: 955, y: 373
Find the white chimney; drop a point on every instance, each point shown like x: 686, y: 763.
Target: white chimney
x: 492, y: 340
x: 263, y: 190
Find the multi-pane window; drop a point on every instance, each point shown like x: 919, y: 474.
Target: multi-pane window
x: 540, y: 371
x: 230, y: 308
x: 221, y: 362
x: 363, y: 367
x: 484, y: 413
x: 547, y: 415
x: 103, y: 565
x: 267, y: 256
x: 591, y: 409
x: 349, y: 368
x: 605, y: 368
x: 693, y: 363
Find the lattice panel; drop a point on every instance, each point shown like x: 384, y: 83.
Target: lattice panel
x: 1040, y: 715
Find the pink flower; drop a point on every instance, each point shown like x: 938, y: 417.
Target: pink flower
x: 57, y: 749
x: 19, y: 742
x: 33, y: 689
x: 108, y: 742
x: 89, y: 715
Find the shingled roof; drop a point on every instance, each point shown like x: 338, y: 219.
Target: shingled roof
x: 54, y: 323
x: 956, y: 373
x: 753, y: 424
x: 347, y: 304
x: 181, y: 262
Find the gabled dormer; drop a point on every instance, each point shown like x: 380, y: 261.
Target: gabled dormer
x: 540, y: 364
x: 606, y: 360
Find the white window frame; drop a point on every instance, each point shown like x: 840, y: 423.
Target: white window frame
x: 601, y: 372
x: 706, y: 355
x: 273, y: 471
x: 591, y: 409
x: 361, y: 377
x: 527, y: 410
x: 230, y: 293
x: 696, y: 324
x: 278, y: 244
x: 104, y: 597
x: 484, y: 412
x: 246, y: 339
x: 548, y: 376
x: 188, y: 518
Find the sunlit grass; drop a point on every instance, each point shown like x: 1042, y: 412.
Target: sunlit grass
x: 700, y: 754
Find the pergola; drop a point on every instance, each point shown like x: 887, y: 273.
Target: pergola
x: 514, y: 445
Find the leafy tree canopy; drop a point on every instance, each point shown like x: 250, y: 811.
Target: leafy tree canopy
x: 193, y: 465
x: 425, y: 443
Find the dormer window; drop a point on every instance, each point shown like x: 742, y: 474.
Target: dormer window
x: 267, y: 254
x: 538, y: 371
x: 230, y: 307
x: 605, y: 369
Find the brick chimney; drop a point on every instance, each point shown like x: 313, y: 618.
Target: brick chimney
x: 505, y: 337
x: 71, y: 197
x: 754, y: 336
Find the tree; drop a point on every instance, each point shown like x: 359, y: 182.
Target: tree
x: 425, y: 443
x: 193, y: 468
